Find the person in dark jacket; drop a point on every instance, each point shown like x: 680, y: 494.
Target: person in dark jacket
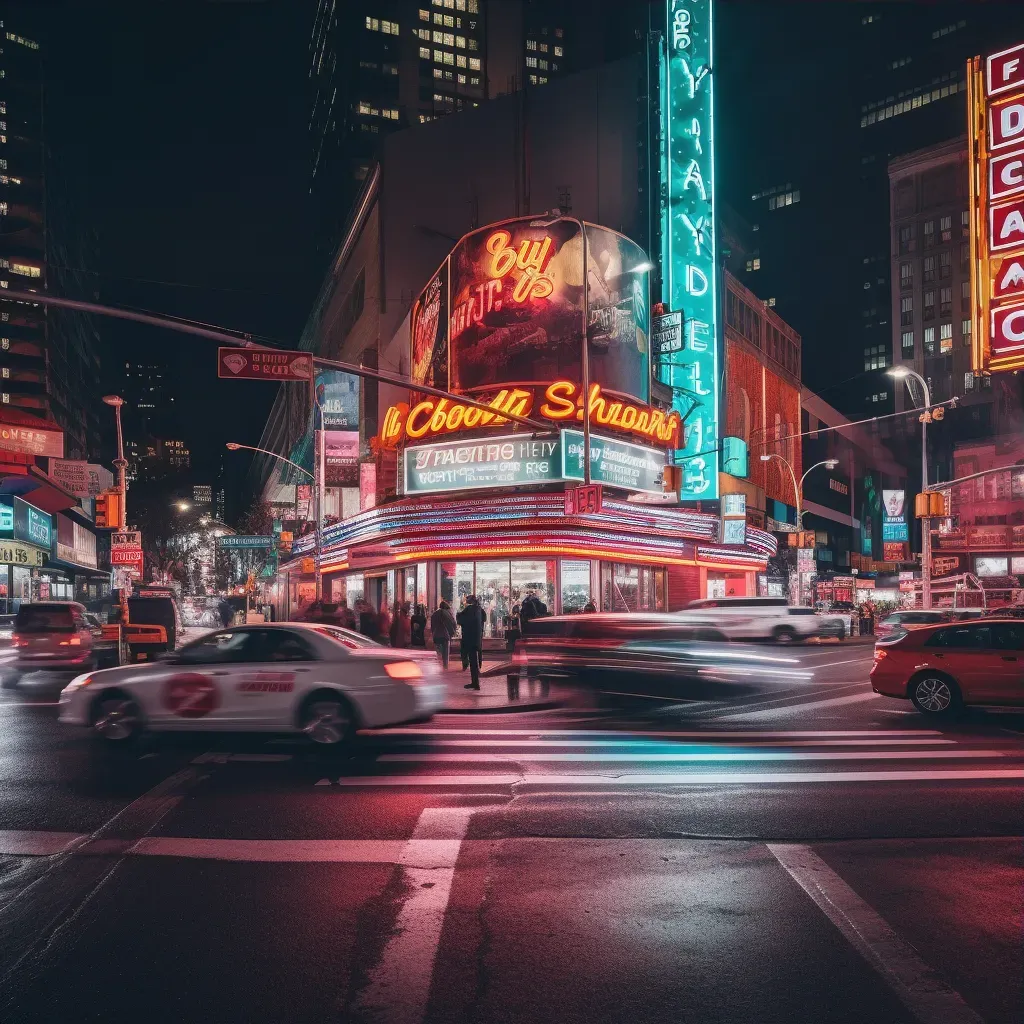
x: 442, y: 629
x: 471, y: 620
x: 419, y: 626
x: 225, y: 613
x: 533, y: 608
x: 401, y: 626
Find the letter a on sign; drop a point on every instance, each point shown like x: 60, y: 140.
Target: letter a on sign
x: 1007, y: 226
x: 1009, y: 279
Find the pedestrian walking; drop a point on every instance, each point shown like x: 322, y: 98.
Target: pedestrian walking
x: 401, y: 626
x: 346, y: 617
x: 442, y: 629
x: 418, y: 625
x: 471, y: 620
x: 384, y: 623
x: 225, y: 613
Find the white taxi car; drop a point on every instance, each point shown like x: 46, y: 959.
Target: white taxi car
x: 321, y: 681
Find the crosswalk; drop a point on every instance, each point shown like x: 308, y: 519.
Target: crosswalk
x: 421, y: 757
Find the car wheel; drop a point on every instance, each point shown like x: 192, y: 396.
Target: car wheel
x: 327, y: 720
x: 934, y: 694
x: 10, y: 680
x: 116, y: 717
x: 784, y: 635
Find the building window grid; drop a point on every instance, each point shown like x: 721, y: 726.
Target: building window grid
x: 945, y: 265
x: 945, y: 301
x: 906, y: 276
x: 882, y: 110
x: 907, y: 344
x: 946, y: 228
x: 929, y: 341
x: 907, y: 310
x: 929, y: 305
x: 945, y: 337
x: 928, y: 269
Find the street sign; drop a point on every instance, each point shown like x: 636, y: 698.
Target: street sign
x: 126, y: 556
x: 583, y: 501
x: 264, y: 364
x: 244, y: 541
x: 667, y: 333
x: 126, y: 539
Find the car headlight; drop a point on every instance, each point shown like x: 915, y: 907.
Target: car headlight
x: 79, y: 681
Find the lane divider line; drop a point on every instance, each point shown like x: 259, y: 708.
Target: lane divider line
x: 688, y: 757
x: 928, y: 997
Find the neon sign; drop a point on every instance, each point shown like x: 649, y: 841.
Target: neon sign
x: 530, y: 282
x: 689, y: 267
x: 562, y: 401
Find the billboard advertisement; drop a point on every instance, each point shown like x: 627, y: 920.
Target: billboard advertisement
x: 507, y: 306
x: 337, y: 400
x: 489, y: 462
x: 894, y: 520
x: 341, y: 458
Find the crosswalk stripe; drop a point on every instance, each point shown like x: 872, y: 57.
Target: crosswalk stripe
x: 690, y: 757
x: 681, y: 778
x: 853, y: 698
x: 425, y: 852
x: 702, y: 734
x: 27, y: 843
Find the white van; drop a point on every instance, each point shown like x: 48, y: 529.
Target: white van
x: 754, y: 618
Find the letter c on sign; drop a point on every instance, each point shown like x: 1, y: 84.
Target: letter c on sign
x: 1012, y: 173
x: 1013, y: 326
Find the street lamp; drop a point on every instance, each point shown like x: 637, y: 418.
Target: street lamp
x: 798, y: 490
x: 120, y: 463
x: 905, y: 373
x: 234, y: 446
x: 182, y: 506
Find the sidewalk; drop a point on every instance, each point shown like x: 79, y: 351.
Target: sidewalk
x: 492, y: 696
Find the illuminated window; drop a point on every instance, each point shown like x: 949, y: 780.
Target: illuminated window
x: 462, y: 79
x: 754, y: 264
x: 543, y: 47
x: 3, y: 209
x: 424, y: 15
x: 439, y: 56
x: 531, y: 44
x: 929, y: 305
x: 364, y: 108
x: 438, y: 37
x: 449, y: 58
x: 945, y: 337
x: 460, y: 42
x: 907, y: 310
x: 554, y: 66
x: 25, y: 270
x: 473, y: 7
x: 542, y: 80
x: 391, y: 113
x: 559, y: 52
x: 929, y: 341
x: 531, y: 62
x: 473, y: 80
x: 438, y: 18
x: 6, y: 398
x: 965, y: 330
x: 906, y: 275
x: 449, y: 76
x: 969, y: 381
x: 543, y: 65
x: 946, y: 228
x: 460, y: 60
x: 449, y: 39
x: 770, y: 302
x: 907, y: 344
x: 474, y: 63
x: 460, y: 5
x: 438, y: 73
x: 449, y: 21
x: 473, y: 44
x: 424, y: 34
x: 929, y: 233
x: 373, y: 24
x: 438, y: 98
x: 424, y: 53
x: 450, y: 4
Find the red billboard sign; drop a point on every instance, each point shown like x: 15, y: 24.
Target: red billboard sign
x: 263, y: 364
x: 31, y: 440
x: 996, y: 141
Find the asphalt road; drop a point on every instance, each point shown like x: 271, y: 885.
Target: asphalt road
x: 806, y: 852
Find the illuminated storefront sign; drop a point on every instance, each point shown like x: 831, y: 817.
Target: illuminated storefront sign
x: 612, y: 462
x: 485, y: 462
x: 512, y: 304
x: 560, y: 401
x: 689, y: 238
x: 996, y: 139
x: 894, y: 522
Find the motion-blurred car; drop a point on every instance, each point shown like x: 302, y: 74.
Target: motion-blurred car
x: 921, y: 617
x: 7, y: 630
x: 945, y: 667
x: 753, y: 618
x: 319, y: 681
x: 644, y: 654
x: 53, y: 636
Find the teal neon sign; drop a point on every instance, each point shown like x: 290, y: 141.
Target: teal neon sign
x: 689, y: 257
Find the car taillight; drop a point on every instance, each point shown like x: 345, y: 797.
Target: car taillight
x: 75, y: 641
x: 403, y: 670
x: 880, y: 654
x: 19, y: 641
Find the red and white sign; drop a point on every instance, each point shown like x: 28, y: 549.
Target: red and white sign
x: 31, y: 440
x: 1005, y: 122
x: 894, y: 551
x: 1006, y: 174
x: 1005, y: 70
x: 1007, y: 330
x: 190, y: 695
x: 267, y: 682
x: 1008, y: 279
x: 1007, y: 226
x: 263, y: 364
x: 583, y: 501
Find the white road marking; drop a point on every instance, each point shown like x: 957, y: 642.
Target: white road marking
x: 681, y: 778
x: 924, y: 993
x: 845, y: 661
x: 702, y: 734
x: 341, y: 851
x: 681, y: 757
x: 399, y: 985
x: 20, y: 843
x: 853, y: 698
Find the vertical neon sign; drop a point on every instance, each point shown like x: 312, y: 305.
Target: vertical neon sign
x: 689, y: 258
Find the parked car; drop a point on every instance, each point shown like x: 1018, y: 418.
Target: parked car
x: 319, y: 681
x: 51, y: 635
x: 920, y: 617
x: 753, y: 618
x: 941, y: 668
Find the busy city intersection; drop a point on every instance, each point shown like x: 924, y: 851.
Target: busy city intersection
x: 808, y: 852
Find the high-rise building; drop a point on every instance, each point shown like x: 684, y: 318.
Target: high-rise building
x: 202, y: 494
x: 49, y: 368
x: 149, y: 398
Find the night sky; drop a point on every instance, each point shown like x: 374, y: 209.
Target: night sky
x: 182, y: 128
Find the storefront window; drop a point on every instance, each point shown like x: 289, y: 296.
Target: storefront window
x: 534, y: 577
x: 498, y: 587
x: 632, y: 588
x: 456, y: 583
x: 492, y: 591
x: 575, y: 585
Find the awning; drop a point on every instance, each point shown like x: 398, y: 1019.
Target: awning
x: 38, y: 489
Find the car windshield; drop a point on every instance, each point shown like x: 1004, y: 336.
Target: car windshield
x: 41, y: 618
x: 347, y: 637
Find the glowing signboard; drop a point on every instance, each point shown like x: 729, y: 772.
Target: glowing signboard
x: 995, y: 105
x: 614, y: 463
x: 481, y: 463
x: 688, y: 259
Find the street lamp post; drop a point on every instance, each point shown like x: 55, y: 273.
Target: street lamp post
x: 120, y: 463
x: 798, y: 491
x: 905, y: 373
x: 234, y: 446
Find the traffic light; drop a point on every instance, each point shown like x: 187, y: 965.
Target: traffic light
x: 108, y: 510
x: 930, y: 504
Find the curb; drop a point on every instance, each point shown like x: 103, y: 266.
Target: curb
x: 504, y: 709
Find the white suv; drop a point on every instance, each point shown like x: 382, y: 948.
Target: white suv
x: 754, y: 618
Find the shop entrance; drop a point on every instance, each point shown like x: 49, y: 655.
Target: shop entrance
x: 500, y: 587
